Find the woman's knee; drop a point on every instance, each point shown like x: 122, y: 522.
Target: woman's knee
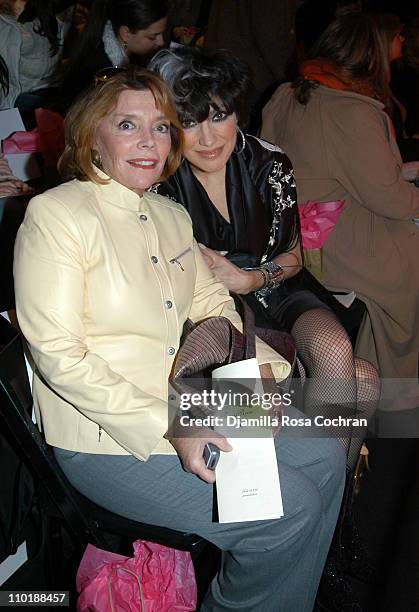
x: 368, y: 386
x: 325, y: 453
x: 320, y: 336
x: 326, y: 464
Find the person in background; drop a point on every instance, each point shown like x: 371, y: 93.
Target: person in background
x: 313, y: 17
x: 333, y: 125
x: 405, y: 85
x: 391, y: 29
x: 263, y: 38
x: 116, y: 33
x: 9, y: 184
x: 102, y: 367
x: 31, y: 38
x: 12, y: 211
x: 81, y: 14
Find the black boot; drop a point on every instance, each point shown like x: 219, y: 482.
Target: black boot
x: 335, y: 592
x: 355, y: 559
x: 347, y: 556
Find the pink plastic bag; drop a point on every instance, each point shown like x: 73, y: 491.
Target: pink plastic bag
x: 317, y: 221
x: 47, y: 138
x: 156, y: 579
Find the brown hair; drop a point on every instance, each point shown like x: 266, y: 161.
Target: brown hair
x: 388, y: 25
x: 94, y: 104
x: 352, y: 42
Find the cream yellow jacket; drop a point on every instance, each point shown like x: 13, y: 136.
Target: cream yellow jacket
x: 104, y: 282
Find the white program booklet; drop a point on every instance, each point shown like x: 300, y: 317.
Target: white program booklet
x: 248, y: 487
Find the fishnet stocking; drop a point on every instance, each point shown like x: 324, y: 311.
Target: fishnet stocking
x: 335, y: 383
x: 368, y: 393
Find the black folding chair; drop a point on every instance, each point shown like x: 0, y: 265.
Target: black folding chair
x: 84, y: 521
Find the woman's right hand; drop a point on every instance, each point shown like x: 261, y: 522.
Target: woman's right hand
x: 235, y: 279
x: 410, y: 170
x: 13, y: 188
x: 191, y: 449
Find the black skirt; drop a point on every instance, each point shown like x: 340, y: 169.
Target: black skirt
x: 296, y: 296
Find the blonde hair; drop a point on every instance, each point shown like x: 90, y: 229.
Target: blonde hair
x: 84, y: 116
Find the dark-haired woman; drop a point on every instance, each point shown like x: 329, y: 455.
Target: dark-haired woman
x: 241, y: 195
x: 343, y: 147
x: 31, y: 39
x: 117, y: 32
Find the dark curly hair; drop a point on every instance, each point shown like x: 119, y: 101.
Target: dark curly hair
x: 200, y: 80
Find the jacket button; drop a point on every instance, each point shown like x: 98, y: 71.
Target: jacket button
x: 171, y: 350
x: 168, y: 304
x: 143, y: 217
x: 154, y: 259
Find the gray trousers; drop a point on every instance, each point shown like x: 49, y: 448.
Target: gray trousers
x: 267, y: 566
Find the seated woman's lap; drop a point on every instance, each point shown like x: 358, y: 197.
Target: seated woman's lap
x: 160, y: 492
x: 283, y: 311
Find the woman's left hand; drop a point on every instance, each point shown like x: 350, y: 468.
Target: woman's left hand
x: 235, y: 279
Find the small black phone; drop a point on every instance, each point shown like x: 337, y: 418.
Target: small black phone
x: 211, y: 455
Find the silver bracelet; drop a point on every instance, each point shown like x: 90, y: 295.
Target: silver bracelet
x: 276, y: 274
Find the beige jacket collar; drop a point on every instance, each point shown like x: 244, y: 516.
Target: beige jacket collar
x: 117, y: 194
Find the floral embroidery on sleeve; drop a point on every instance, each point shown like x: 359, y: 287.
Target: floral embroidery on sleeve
x: 155, y: 189
x: 281, y: 183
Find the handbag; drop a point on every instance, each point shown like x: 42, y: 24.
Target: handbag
x: 215, y: 342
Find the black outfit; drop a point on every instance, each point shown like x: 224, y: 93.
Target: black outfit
x: 262, y: 205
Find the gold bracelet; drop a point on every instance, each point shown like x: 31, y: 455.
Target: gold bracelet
x: 264, y: 275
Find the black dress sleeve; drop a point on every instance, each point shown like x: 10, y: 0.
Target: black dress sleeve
x: 273, y: 177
